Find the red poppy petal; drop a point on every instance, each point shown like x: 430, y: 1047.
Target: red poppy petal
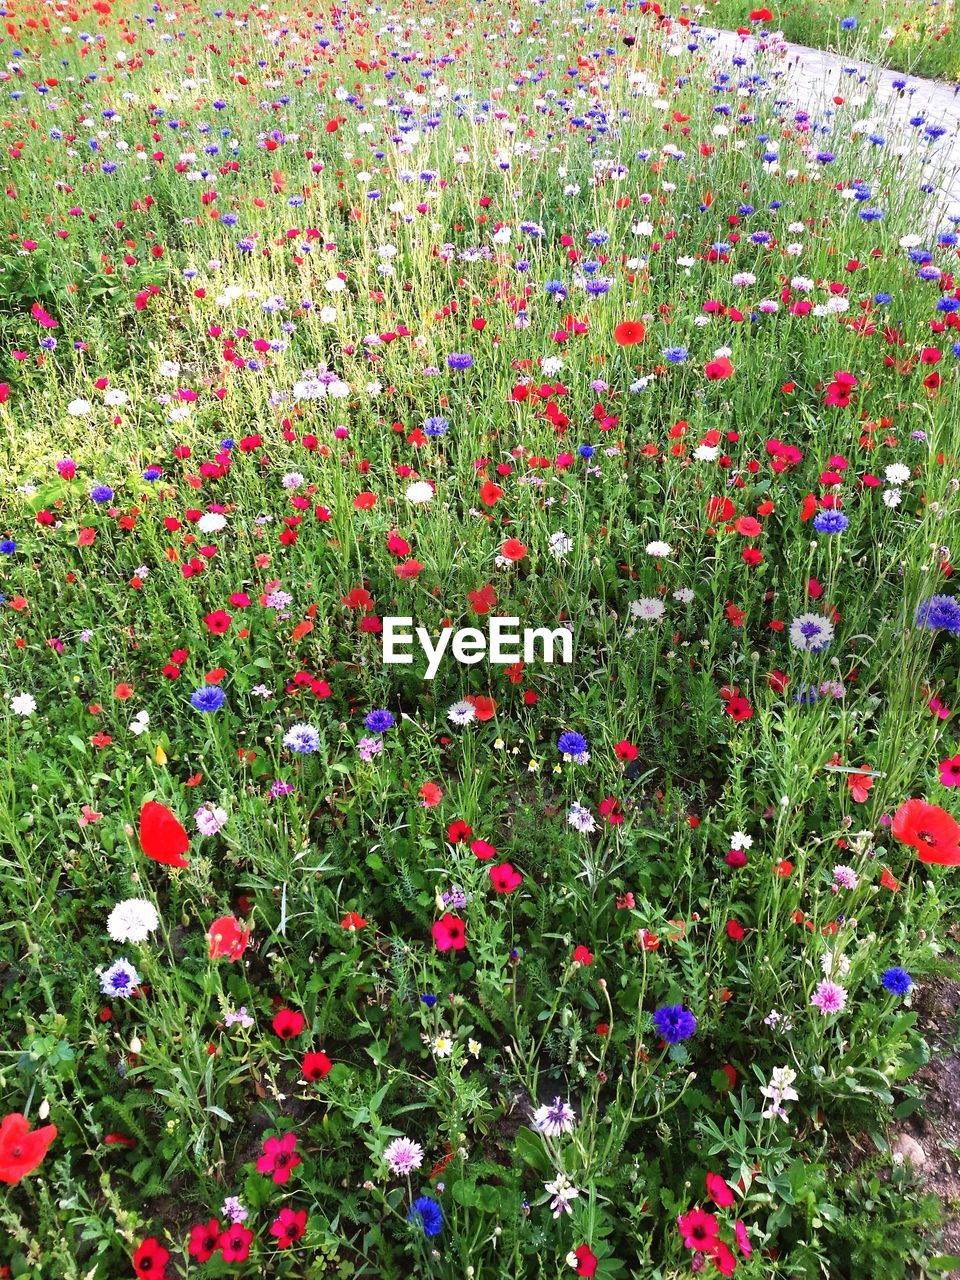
x: 162, y: 837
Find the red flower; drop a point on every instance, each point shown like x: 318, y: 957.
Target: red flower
x: 235, y: 1243
x: 482, y: 850
x: 150, y: 1260
x: 718, y: 1191
x: 449, y: 933
x: 739, y: 708
x: 288, y: 1023
x: 505, y: 878
x: 717, y: 370
x: 288, y: 1227
x: 483, y: 600
x: 352, y: 921
x: 485, y: 708
x: 698, y: 1230
x: 627, y: 334
x: 204, y: 1240
x: 723, y: 1258
x: 20, y: 1150
x: 735, y: 931
x: 162, y: 838
x: 315, y: 1066
x: 279, y: 1157
x: 586, y: 1260
x: 513, y: 549
x: 930, y: 830
x: 626, y: 751
x: 227, y: 938
x: 761, y: 15
x: 218, y: 622
x: 582, y: 956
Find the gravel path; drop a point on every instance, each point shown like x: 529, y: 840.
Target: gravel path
x: 811, y: 78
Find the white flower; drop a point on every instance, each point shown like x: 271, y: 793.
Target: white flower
x: 740, y: 840
x: 555, y: 1118
x: 462, y: 713
x: 419, y: 492
x: 892, y: 498
x: 659, y: 549
x: 132, y: 920
x: 169, y: 369
x: 335, y: 285
x: 211, y: 522
x: 684, y: 595
x: 558, y: 544
x: 79, y: 408
x: 140, y: 723
x: 647, y: 609
x: 811, y: 632
x: 581, y: 819
x: 896, y: 473
x: 706, y: 453
x: 442, y: 1045
x: 115, y: 396
x: 23, y: 704
x: 474, y: 1047
x: 563, y: 1192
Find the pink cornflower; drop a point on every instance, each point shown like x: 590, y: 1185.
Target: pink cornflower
x: 829, y: 997
x: 403, y: 1155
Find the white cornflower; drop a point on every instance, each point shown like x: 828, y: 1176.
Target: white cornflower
x: 811, y: 632
x: 581, y: 819
x: 79, y: 408
x: 684, y: 595
x: 23, y: 704
x: 462, y: 713
x: 740, y: 840
x: 647, y: 609
x: 555, y: 1118
x: 211, y: 522
x: 419, y: 492
x: 892, y: 498
x: 132, y: 920
x: 896, y: 473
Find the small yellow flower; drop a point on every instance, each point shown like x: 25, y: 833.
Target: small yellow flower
x: 160, y: 755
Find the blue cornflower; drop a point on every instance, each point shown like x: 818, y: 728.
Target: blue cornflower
x: 674, y: 1023
x: 436, y: 427
x: 209, y: 698
x: 676, y: 355
x: 572, y: 744
x: 428, y: 999
x: 848, y: 24
x: 459, y: 360
x: 830, y: 522
x: 7, y: 547
x: 121, y: 979
x: 379, y: 721
x: 426, y: 1213
x: 939, y: 613
x: 152, y: 473
x: 586, y: 451
x: 897, y: 981
x: 101, y: 493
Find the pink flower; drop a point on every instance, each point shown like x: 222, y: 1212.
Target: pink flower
x: 279, y: 1157
x: 829, y: 997
x: 950, y: 771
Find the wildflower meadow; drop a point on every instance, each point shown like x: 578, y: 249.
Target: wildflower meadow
x: 480, y: 770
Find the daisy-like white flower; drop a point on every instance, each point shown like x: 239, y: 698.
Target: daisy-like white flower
x: 554, y: 1118
x: 132, y: 920
x: 462, y: 713
x: 442, y: 1045
x: 403, y: 1156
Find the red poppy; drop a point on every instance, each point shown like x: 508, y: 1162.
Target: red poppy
x: 315, y: 1066
x: 627, y: 334
x: 352, y: 921
x: 150, y: 1260
x: 735, y: 931
x: 719, y: 369
x: 761, y: 15
x: 20, y: 1150
x: 581, y: 955
x: 288, y: 1024
x: 449, y: 933
x: 204, y: 1240
x: 513, y: 549
x: 486, y: 708
x: 162, y: 837
x: 930, y: 830
x: 227, y: 938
